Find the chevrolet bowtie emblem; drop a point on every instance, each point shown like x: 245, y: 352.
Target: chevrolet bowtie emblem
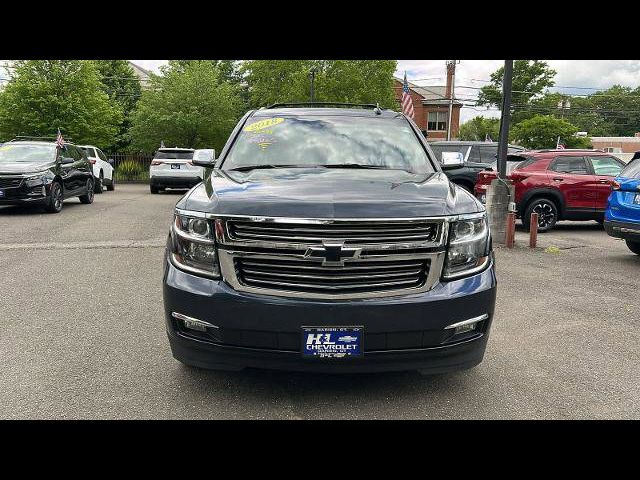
x: 333, y: 253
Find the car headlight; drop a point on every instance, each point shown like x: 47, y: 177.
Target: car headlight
x: 193, y: 246
x: 36, y: 179
x: 469, y: 247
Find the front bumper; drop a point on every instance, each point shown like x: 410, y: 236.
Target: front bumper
x: 24, y: 194
x: 625, y: 230
x: 400, y: 333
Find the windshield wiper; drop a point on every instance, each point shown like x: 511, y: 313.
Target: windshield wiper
x: 246, y: 168
x: 361, y: 165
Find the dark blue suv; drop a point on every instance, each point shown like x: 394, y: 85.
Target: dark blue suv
x: 622, y: 217
x: 328, y: 240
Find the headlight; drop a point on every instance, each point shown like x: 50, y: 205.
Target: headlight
x: 36, y: 180
x: 468, y: 250
x: 193, y: 246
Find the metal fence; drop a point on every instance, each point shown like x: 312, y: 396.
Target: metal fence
x: 131, y: 167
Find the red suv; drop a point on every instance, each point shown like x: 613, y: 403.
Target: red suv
x: 558, y: 184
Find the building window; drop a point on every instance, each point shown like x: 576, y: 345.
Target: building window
x: 437, y: 121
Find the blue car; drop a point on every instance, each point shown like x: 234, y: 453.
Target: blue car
x: 622, y: 218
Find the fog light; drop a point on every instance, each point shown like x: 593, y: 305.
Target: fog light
x: 193, y: 323
x: 466, y: 326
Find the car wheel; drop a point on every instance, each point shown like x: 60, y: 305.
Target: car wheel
x: 99, y: 183
x: 153, y: 189
x: 88, y: 197
x: 634, y: 246
x: 54, y: 203
x: 112, y: 186
x: 547, y: 214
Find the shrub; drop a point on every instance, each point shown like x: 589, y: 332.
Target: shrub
x: 129, y: 170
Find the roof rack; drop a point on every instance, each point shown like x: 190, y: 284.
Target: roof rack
x: 371, y: 106
x: 19, y: 138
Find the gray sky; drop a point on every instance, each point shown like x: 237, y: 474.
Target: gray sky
x: 573, y: 76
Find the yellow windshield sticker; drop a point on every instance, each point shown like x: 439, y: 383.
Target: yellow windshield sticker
x: 263, y: 124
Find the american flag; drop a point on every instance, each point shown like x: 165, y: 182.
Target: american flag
x: 407, y: 103
x: 59, y: 140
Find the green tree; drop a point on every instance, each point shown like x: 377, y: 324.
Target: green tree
x: 350, y: 81
x: 123, y: 87
x: 542, y: 131
x: 44, y: 95
x: 530, y: 79
x: 478, y: 128
x: 187, y: 106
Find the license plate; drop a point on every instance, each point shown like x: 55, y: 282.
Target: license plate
x: 175, y: 166
x: 636, y: 200
x: 331, y: 342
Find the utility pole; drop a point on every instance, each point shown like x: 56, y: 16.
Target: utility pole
x: 451, y: 72
x: 505, y: 118
x: 312, y: 76
x: 500, y: 192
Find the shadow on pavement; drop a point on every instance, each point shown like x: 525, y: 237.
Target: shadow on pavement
x: 8, y: 210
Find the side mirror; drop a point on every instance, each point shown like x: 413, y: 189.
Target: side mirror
x: 66, y: 160
x: 452, y: 160
x: 205, y: 157
x: 110, y: 161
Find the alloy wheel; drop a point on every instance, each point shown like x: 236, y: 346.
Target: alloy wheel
x: 546, y: 214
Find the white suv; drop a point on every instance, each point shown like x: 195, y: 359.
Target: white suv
x: 102, y: 168
x: 173, y: 168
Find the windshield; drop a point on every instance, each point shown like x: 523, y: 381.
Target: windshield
x: 174, y: 154
x: 632, y: 170
x: 328, y: 141
x: 27, y: 153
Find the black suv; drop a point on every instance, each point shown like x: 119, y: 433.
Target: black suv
x: 328, y: 239
x: 40, y: 172
x: 477, y: 157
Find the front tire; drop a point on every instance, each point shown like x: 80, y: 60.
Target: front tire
x: 153, y: 189
x: 88, y: 197
x: 547, y: 214
x: 112, y: 186
x: 54, y: 202
x: 634, y: 246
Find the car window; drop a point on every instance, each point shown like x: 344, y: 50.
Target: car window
x: 27, y: 153
x: 101, y: 154
x: 89, y: 151
x: 632, y: 170
x: 174, y: 154
x: 570, y: 165
x: 474, y: 155
x: 329, y: 140
x: 606, y: 166
x: 488, y: 153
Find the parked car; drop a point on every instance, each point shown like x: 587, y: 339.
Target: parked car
x: 558, y: 184
x: 102, y: 168
x: 38, y: 172
x: 173, y: 168
x: 622, y: 218
x: 477, y: 157
x: 486, y: 176
x: 328, y: 239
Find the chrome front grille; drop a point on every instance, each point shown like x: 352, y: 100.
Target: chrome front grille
x: 331, y: 258
x: 311, y: 276
x: 10, y: 182
x: 350, y: 232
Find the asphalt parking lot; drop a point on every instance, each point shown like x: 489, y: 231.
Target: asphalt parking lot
x: 83, y: 333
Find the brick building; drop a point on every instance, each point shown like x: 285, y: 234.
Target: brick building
x: 431, y: 108
x: 617, y: 144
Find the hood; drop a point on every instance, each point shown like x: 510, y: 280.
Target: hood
x: 24, y: 167
x: 329, y: 193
